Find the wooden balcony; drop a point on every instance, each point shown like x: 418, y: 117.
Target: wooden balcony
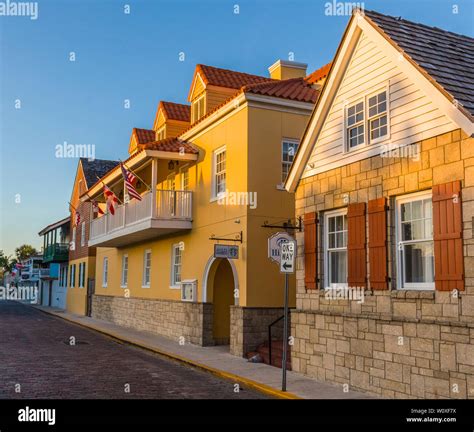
x: 169, y: 212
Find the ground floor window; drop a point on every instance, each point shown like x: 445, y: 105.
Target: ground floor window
x: 335, y: 247
x: 415, y: 254
x: 105, y: 271
x: 146, y: 269
x: 176, y: 256
x: 124, y: 271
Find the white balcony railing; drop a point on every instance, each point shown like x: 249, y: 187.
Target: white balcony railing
x: 170, y: 205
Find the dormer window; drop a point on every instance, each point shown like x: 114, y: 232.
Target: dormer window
x: 160, y: 134
x: 197, y: 108
x: 369, y: 114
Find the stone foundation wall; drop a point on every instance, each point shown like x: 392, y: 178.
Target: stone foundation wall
x: 395, y: 358
x: 173, y: 319
x: 249, y: 327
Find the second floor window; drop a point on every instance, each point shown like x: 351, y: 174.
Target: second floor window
x: 83, y: 234
x: 377, y: 105
x: 219, y: 172
x: 146, y: 269
x: 289, y: 149
x: 355, y: 125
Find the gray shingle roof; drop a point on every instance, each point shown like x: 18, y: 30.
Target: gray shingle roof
x: 447, y: 57
x: 96, y: 168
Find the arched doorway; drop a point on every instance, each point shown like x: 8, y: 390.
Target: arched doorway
x: 220, y: 286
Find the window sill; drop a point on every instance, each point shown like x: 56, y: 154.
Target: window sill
x: 104, y: 286
x: 425, y: 293
x: 175, y: 287
x: 217, y: 198
x: 145, y: 286
x: 280, y: 187
x: 123, y: 286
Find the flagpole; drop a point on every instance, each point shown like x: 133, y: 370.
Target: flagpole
x: 136, y: 175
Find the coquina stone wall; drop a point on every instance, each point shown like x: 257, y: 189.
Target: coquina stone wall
x: 396, y: 343
x: 173, y: 319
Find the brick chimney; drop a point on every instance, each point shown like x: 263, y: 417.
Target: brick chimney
x: 285, y: 69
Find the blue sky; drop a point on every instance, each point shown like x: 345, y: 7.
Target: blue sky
x: 136, y: 56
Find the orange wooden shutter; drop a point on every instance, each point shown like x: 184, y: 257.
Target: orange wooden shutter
x: 356, y: 246
x: 310, y: 250
x: 378, y: 244
x: 447, y: 236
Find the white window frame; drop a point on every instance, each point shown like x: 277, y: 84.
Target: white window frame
x: 197, y: 115
x: 401, y: 285
x: 124, y: 272
x: 296, y: 143
x: 183, y: 172
x: 369, y: 119
x: 105, y: 272
x: 366, y: 121
x: 347, y: 127
x: 146, y: 284
x: 173, y: 283
x: 327, y: 262
x: 83, y: 234
x: 214, y: 195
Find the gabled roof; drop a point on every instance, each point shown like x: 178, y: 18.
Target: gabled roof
x: 318, y: 74
x: 211, y: 75
x: 63, y: 222
x: 170, y: 145
x: 143, y: 135
x: 447, y: 57
x: 430, y: 77
x: 297, y: 89
x: 96, y: 168
x: 175, y: 111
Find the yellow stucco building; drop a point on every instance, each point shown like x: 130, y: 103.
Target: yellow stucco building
x: 209, y: 173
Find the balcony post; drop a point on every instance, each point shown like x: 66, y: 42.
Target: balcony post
x: 154, y: 181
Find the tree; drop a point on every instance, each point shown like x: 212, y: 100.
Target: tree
x: 25, y: 251
x: 4, y: 261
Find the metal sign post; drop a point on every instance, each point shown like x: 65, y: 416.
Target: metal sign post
x: 287, y: 266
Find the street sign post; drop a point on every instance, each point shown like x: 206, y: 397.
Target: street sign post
x: 287, y: 266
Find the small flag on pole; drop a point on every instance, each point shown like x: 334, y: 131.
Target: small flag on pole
x: 129, y: 178
x: 111, y: 198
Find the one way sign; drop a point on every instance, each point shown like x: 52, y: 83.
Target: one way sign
x: 287, y: 257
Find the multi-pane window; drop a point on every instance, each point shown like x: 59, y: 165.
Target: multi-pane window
x: 219, y: 172
x: 355, y: 125
x: 146, y: 268
x: 336, y: 248
x: 378, y: 115
x: 176, y: 260
x: 289, y: 149
x: 370, y: 114
x: 124, y: 280
x: 415, y: 242
x: 185, y: 179
x: 198, y: 108
x: 160, y: 133
x: 72, y: 280
x: 105, y: 271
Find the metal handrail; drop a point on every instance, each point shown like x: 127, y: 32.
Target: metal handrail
x: 270, y: 338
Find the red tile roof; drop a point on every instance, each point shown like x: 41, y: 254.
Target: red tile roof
x: 176, y: 111
x: 319, y: 74
x: 144, y: 135
x: 228, y: 78
x: 297, y: 89
x: 170, y: 145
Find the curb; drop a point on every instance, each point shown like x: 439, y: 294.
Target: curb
x: 262, y: 388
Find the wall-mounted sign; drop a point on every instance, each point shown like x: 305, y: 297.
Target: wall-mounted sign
x: 226, y: 251
x: 274, y: 245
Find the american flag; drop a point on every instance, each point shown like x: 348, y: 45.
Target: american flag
x: 111, y: 198
x: 77, y: 218
x: 129, y: 178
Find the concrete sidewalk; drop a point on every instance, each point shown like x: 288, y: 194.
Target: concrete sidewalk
x: 218, y: 361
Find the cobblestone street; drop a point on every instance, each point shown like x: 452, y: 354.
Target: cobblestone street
x: 38, y: 361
